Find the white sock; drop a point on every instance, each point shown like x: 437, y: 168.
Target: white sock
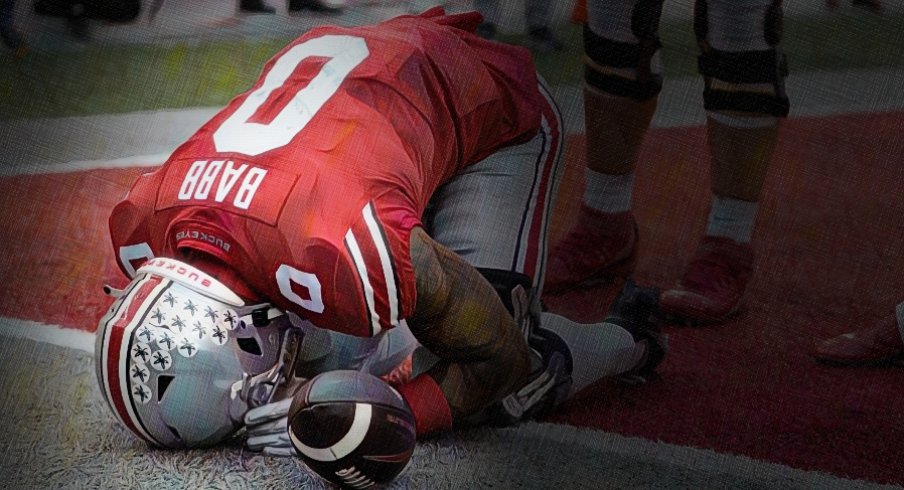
x: 608, y: 193
x: 598, y: 351
x: 732, y: 218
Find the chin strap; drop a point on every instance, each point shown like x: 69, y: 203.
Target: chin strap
x: 261, y: 389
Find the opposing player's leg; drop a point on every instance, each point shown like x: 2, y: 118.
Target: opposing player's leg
x: 877, y: 344
x: 744, y: 70
x: 622, y: 84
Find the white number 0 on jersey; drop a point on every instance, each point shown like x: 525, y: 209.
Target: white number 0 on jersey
x: 236, y: 134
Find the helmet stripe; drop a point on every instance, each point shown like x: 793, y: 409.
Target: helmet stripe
x: 103, y: 334
x: 116, y: 352
x: 106, y: 330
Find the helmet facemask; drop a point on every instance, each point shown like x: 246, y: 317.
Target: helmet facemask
x: 180, y: 358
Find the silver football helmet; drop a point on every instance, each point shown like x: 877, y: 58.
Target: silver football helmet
x: 180, y: 358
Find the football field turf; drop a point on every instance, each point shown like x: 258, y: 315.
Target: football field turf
x: 739, y: 405
x: 829, y: 249
x: 61, y: 436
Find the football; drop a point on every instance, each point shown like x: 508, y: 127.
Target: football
x: 352, y: 429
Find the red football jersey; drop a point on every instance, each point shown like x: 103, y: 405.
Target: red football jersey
x: 309, y: 184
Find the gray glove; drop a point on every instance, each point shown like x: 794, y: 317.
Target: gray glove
x: 268, y: 429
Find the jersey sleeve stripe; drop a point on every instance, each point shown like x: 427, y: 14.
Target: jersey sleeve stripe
x: 355, y: 252
x: 389, y: 273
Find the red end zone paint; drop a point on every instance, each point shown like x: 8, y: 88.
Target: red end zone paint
x: 830, y: 254
x: 55, y: 244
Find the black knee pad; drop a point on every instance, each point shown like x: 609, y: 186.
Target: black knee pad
x: 745, y: 67
x: 506, y: 283
x: 748, y: 67
x: 606, y: 53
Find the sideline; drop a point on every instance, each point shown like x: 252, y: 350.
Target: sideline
x: 217, y: 19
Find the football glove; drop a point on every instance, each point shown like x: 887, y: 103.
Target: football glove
x: 268, y: 429
x: 548, y: 385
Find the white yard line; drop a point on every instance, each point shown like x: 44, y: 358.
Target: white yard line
x: 145, y: 138
x: 51, y: 334
x: 89, y: 142
x: 83, y: 165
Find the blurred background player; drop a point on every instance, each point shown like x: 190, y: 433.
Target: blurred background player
x: 293, y: 6
x: 537, y: 14
x: 75, y: 13
x: 316, y: 6
x: 78, y: 12
x: 11, y: 36
x: 255, y: 7
x: 744, y: 96
x: 878, y: 344
x: 871, y: 5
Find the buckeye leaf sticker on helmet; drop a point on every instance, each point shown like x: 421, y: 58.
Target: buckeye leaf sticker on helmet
x: 176, y: 355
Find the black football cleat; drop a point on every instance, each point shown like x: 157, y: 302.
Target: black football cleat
x: 316, y: 6
x: 636, y: 309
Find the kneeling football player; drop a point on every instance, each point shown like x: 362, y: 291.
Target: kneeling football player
x: 372, y: 176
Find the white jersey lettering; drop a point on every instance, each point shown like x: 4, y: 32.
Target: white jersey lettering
x: 222, y: 176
